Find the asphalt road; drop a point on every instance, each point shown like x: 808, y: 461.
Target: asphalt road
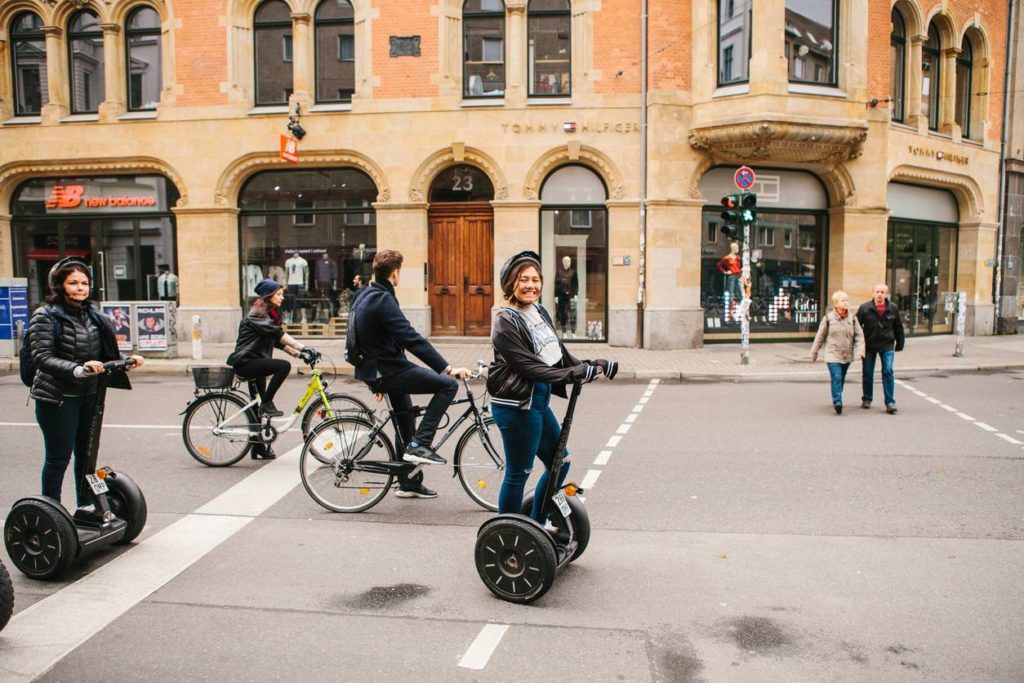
x: 741, y: 532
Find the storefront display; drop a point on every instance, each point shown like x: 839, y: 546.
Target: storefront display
x: 787, y: 257
x: 574, y: 253
x: 121, y: 226
x: 312, y: 231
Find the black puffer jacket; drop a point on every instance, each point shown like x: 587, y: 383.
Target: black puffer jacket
x: 85, y: 335
x: 258, y: 335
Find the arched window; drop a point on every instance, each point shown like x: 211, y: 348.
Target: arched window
x: 144, y: 63
x: 483, y: 48
x: 734, y: 18
x: 335, y: 51
x: 811, y: 31
x: 28, y: 59
x: 931, y: 72
x: 85, y: 54
x: 574, y: 252
x: 897, y: 64
x: 964, y: 67
x: 272, y: 36
x: 549, y: 47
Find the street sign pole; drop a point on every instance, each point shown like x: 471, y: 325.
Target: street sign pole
x: 745, y: 304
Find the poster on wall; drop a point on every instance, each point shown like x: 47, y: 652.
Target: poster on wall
x: 121, y: 318
x: 151, y: 327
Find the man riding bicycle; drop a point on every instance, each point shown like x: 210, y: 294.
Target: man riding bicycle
x: 382, y: 335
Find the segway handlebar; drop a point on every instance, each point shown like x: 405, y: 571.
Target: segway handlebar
x: 112, y: 366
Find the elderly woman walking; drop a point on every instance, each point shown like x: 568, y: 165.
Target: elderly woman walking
x: 843, y: 339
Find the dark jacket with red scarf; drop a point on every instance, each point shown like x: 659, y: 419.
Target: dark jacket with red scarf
x: 259, y: 334
x: 882, y: 332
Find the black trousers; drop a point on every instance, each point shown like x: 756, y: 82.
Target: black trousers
x: 259, y: 369
x: 443, y: 389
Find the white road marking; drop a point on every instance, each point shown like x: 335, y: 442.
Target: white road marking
x: 644, y: 400
x: 649, y: 393
x: 1010, y: 439
x: 623, y: 429
x: 655, y: 381
x: 965, y: 417
x: 613, y: 441
x: 479, y: 653
x: 42, y: 634
x: 632, y: 417
x: 638, y: 408
x: 933, y: 400
x: 949, y: 408
x: 986, y: 427
x: 590, y: 479
x: 602, y: 458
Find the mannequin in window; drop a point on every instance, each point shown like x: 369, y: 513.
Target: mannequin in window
x: 567, y: 286
x: 296, y: 271
x: 731, y: 265
x: 166, y: 284
x: 326, y: 278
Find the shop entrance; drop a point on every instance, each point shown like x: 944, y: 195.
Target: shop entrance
x: 461, y: 265
x: 921, y: 275
x: 460, y: 258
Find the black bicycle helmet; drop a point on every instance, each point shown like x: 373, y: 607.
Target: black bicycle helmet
x: 51, y: 277
x: 506, y: 270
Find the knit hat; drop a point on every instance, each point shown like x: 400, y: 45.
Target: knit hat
x: 267, y: 288
x: 505, y: 274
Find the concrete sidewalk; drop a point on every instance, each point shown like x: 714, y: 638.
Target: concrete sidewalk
x: 718, y: 362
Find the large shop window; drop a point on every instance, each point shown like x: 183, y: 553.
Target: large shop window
x: 811, y: 30
x: 335, y: 51
x: 121, y: 226
x: 549, y: 47
x: 483, y: 48
x: 313, y: 231
x: 788, y: 253
x: 28, y: 59
x: 574, y: 252
x: 85, y: 46
x: 921, y: 257
x: 142, y: 41
x: 734, y: 21
x: 272, y: 33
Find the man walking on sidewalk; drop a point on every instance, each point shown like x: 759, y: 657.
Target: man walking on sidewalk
x: 883, y: 337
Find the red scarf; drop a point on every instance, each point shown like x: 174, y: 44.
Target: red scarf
x: 881, y: 308
x: 274, y: 315
x: 842, y: 314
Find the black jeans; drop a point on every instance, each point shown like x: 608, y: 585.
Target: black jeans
x: 65, y: 429
x: 259, y: 368
x: 418, y: 381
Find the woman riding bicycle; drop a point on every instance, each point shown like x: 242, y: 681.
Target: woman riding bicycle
x: 258, y: 334
x: 530, y: 364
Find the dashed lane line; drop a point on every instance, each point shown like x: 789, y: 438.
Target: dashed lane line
x: 602, y: 458
x: 590, y: 479
x: 613, y: 441
x: 480, y: 651
x: 1009, y: 439
x: 981, y: 425
x: 964, y: 416
x: 986, y: 427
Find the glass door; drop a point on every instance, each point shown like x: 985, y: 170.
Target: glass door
x: 921, y: 275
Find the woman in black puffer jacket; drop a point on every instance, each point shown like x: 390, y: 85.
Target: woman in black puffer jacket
x: 66, y: 368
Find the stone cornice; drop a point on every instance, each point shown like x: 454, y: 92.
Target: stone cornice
x: 781, y: 141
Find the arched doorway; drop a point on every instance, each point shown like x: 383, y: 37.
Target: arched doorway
x: 461, y: 252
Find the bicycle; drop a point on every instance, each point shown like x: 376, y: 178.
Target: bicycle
x: 348, y: 463
x: 222, y: 423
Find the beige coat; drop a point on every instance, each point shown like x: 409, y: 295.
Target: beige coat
x: 843, y: 339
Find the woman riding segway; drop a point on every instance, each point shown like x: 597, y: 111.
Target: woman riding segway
x: 530, y: 364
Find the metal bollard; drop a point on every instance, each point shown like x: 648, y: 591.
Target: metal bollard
x: 197, y: 338
x: 961, y: 324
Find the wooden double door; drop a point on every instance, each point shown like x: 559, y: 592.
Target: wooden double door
x: 461, y: 269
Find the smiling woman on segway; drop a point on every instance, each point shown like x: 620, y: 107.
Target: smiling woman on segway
x: 70, y: 341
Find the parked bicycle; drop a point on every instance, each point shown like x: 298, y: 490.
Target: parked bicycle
x: 349, y: 463
x: 222, y: 423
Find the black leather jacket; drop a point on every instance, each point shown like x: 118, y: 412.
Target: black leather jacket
x: 881, y: 332
x: 517, y: 366
x: 85, y: 335
x: 258, y: 335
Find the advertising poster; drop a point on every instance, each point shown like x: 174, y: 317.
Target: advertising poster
x: 151, y: 327
x: 121, y: 318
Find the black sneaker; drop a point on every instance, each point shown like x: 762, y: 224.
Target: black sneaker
x: 838, y: 407
x: 890, y: 408
x: 423, y: 455
x: 415, y: 491
x: 866, y: 405
x: 270, y: 410
x: 262, y: 452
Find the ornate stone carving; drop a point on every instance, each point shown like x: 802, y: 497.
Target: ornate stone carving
x: 966, y: 189
x: 589, y: 156
x: 17, y: 171
x: 780, y: 141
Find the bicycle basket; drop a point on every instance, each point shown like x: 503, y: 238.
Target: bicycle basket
x: 213, y: 377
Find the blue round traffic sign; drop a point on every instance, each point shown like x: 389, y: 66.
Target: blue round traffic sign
x: 744, y: 177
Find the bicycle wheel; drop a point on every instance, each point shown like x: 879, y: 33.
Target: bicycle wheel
x: 212, y: 411
x: 332, y: 464
x: 479, y: 463
x: 341, y: 404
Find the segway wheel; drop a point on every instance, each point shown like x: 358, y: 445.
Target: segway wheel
x: 40, y: 540
x: 6, y: 596
x: 580, y: 524
x: 128, y: 503
x: 515, y: 559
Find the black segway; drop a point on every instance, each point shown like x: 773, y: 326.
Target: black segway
x: 6, y: 596
x: 517, y: 557
x: 43, y: 539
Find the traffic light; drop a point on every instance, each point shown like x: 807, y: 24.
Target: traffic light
x: 748, y: 202
x: 731, y: 220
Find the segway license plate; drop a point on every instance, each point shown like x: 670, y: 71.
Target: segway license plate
x: 98, y: 485
x: 562, y: 503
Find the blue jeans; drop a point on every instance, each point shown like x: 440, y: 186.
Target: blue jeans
x: 888, y: 378
x: 525, y: 434
x: 837, y: 371
x: 65, y: 430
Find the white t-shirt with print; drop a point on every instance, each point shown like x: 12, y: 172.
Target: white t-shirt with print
x: 545, y: 341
